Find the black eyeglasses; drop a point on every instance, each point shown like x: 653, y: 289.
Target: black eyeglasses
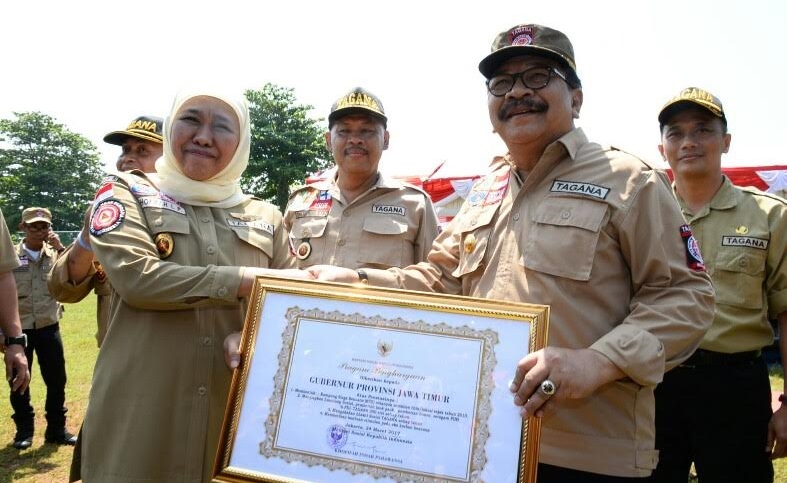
x: 533, y: 78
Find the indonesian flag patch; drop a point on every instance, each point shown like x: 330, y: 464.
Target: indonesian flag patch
x: 693, y: 256
x: 107, y: 216
x: 105, y: 191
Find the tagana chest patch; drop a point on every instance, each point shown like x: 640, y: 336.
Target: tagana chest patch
x: 389, y: 210
x: 579, y: 188
x: 744, y: 241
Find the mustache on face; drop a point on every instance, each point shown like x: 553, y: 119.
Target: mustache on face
x: 529, y: 104
x: 355, y: 151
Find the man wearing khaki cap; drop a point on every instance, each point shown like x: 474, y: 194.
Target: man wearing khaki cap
x: 715, y: 408
x: 357, y: 217
x: 77, y: 272
x: 40, y: 315
x: 565, y: 222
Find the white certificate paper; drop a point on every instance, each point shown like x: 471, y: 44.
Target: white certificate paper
x: 375, y: 385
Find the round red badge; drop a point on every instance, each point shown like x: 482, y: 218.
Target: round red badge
x: 107, y: 216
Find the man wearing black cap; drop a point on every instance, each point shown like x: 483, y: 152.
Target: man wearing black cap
x: 715, y: 408
x: 596, y: 234
x: 76, y: 273
x: 358, y: 218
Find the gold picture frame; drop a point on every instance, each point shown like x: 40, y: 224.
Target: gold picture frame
x: 356, y: 383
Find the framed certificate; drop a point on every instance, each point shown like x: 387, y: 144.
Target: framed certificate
x: 361, y: 384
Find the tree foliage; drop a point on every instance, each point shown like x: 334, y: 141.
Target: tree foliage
x: 286, y: 144
x: 42, y: 163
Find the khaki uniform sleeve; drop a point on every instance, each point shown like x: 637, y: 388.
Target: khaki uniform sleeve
x: 59, y: 285
x: 673, y: 305
x: 433, y: 275
x: 145, y: 281
x: 429, y: 229
x: 8, y: 258
x: 776, y: 263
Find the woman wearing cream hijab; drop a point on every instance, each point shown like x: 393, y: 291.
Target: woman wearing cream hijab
x: 179, y: 250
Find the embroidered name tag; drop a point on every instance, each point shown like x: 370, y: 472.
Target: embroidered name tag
x: 389, y: 209
x: 311, y: 213
x: 257, y: 224
x: 744, y: 241
x: 577, y: 188
x: 157, y: 202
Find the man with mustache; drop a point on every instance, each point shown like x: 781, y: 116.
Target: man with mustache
x: 76, y: 272
x: 715, y: 408
x: 358, y: 218
x: 593, y: 232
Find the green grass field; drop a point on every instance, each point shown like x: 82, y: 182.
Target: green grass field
x: 46, y: 463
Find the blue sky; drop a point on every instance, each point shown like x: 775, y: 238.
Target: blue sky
x: 96, y: 65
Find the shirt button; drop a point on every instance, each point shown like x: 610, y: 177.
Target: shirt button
x: 472, y: 223
x: 305, y: 234
x: 205, y: 219
x: 222, y: 292
x: 341, y: 243
x: 211, y: 250
x: 206, y: 341
x: 742, y: 262
x: 347, y: 213
x: 202, y: 390
x: 158, y: 222
x: 565, y: 214
x: 516, y: 216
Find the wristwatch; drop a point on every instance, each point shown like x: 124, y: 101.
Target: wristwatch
x: 21, y: 340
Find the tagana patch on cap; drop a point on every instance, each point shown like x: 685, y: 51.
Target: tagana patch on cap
x: 143, y: 127
x: 529, y: 39
x: 357, y: 101
x: 695, y: 96
x: 36, y: 213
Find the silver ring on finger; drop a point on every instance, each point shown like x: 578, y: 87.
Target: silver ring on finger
x: 548, y: 388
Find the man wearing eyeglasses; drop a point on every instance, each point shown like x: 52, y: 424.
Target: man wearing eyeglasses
x: 593, y: 232
x: 40, y: 315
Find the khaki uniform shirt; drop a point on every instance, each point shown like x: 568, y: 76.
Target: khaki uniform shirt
x: 8, y: 258
x: 65, y: 291
x: 743, y: 236
x: 160, y: 384
x: 37, y: 307
x: 391, y: 225
x: 595, y: 234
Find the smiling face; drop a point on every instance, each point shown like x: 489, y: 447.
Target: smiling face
x: 692, y: 142
x: 357, y: 143
x: 139, y: 154
x: 533, y: 117
x: 205, y: 135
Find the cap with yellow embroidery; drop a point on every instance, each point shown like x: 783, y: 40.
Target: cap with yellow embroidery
x: 692, y: 96
x: 357, y: 101
x: 143, y: 127
x: 529, y: 39
x: 36, y: 213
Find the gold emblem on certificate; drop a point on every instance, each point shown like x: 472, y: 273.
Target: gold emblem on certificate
x: 384, y: 347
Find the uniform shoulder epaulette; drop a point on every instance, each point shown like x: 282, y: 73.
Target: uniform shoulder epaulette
x: 627, y: 153
x: 758, y: 192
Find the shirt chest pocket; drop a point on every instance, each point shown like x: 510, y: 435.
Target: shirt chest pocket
x: 563, y: 237
x: 383, y: 242
x: 166, y: 221
x: 474, y: 231
x: 738, y: 277
x: 307, y: 228
x: 256, y: 238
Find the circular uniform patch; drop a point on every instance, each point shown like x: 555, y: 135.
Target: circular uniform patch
x: 164, y: 244
x: 107, y: 216
x: 304, y: 250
